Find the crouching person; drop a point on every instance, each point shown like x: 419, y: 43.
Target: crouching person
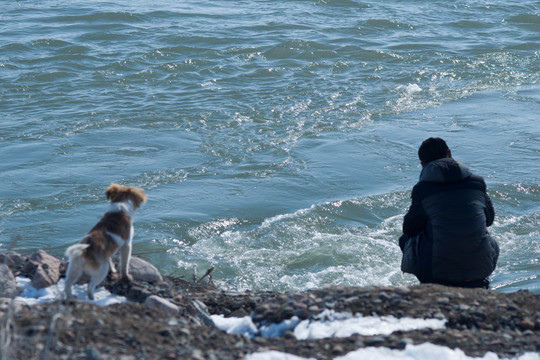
x: 445, y: 238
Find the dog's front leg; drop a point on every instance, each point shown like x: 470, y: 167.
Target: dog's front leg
x: 125, y: 257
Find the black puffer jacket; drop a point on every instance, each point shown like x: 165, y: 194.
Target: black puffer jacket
x: 450, y: 212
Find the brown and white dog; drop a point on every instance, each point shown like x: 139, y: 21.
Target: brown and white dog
x: 113, y: 232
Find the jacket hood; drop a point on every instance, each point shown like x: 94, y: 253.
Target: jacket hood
x: 444, y: 171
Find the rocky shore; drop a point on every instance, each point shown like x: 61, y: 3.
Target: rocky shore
x: 169, y: 318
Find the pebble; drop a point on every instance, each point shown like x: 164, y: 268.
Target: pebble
x: 330, y: 305
x: 350, y: 300
x: 289, y: 335
x: 526, y: 324
x: 403, y: 290
x: 261, y: 309
x: 439, y: 316
x: 91, y: 353
x: 159, y: 303
x: 513, y: 308
x: 374, y: 341
x: 443, y: 300
x: 338, y: 349
x: 197, y: 354
x: 301, y: 314
x: 402, y: 344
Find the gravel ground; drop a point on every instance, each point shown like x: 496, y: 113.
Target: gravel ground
x: 478, y: 321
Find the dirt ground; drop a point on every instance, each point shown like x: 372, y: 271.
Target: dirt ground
x: 478, y: 321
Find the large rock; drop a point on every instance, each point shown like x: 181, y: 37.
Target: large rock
x: 8, y: 285
x: 13, y: 260
x: 141, y: 270
x: 43, y: 269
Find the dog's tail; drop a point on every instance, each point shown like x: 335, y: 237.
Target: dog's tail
x: 75, y: 250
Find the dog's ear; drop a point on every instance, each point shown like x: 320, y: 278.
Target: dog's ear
x: 112, y: 190
x: 139, y: 196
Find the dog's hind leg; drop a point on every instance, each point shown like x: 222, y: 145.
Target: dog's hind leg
x: 111, y: 265
x: 74, y: 272
x: 97, y: 277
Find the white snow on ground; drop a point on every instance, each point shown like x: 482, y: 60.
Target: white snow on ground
x: 425, y: 351
x: 32, y: 296
x: 330, y: 324
x: 327, y: 324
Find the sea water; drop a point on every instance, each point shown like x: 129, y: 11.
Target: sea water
x: 276, y: 140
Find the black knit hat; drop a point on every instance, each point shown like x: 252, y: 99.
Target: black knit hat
x: 432, y: 149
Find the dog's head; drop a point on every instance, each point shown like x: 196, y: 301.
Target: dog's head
x: 119, y: 193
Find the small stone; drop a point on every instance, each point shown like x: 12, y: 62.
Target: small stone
x: 92, y: 353
x: 262, y: 309
x: 402, y: 344
x: 197, y: 354
x: 526, y: 324
x: 330, y: 305
x: 375, y: 341
x: 289, y: 335
x: 287, y: 312
x: 166, y: 333
x: 513, y: 308
x: 439, y: 316
x: 239, y: 313
x: 337, y: 349
x: 159, y: 303
x: 403, y: 290
x: 184, y: 331
x: 301, y: 313
x: 351, y: 300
